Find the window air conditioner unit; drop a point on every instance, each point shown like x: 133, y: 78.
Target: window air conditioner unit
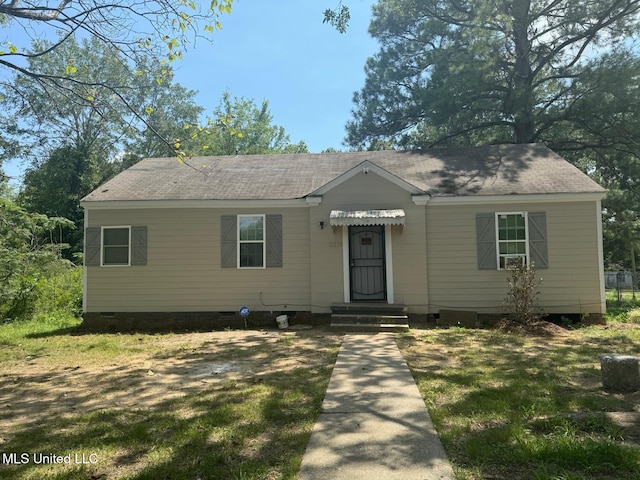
x: 514, y: 261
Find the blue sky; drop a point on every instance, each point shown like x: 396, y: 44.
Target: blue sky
x: 280, y: 50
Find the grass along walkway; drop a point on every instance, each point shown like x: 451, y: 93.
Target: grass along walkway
x: 508, y: 406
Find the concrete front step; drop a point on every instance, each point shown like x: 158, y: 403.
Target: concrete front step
x: 358, y: 308
x: 368, y: 322
x: 367, y: 327
x: 369, y: 318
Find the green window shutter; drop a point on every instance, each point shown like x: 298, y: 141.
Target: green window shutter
x: 486, y: 241
x: 139, y: 245
x: 538, y: 253
x: 274, y: 241
x: 228, y: 241
x: 92, y: 240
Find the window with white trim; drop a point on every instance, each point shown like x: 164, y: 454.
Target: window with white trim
x: 512, y: 235
x: 251, y: 241
x: 116, y: 243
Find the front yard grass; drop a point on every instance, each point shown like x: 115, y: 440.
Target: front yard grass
x: 241, y: 404
x: 508, y: 406
x: 215, y: 405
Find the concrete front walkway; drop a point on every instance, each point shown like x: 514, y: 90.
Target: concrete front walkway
x: 374, y: 423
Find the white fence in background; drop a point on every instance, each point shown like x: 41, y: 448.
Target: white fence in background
x: 622, y: 280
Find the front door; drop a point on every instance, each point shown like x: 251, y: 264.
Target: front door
x: 367, y: 263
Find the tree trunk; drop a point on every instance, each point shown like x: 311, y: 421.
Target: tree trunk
x: 634, y: 273
x: 522, y: 95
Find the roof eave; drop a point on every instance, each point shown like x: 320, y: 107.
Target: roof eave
x: 519, y: 198
x: 220, y: 203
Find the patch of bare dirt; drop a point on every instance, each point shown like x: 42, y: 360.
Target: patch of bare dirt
x: 163, y: 368
x: 629, y: 422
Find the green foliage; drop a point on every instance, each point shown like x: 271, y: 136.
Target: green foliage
x: 621, y: 212
x: 55, y: 186
x: 238, y: 127
x: 76, y: 145
x: 27, y: 258
x: 617, y: 311
x: 633, y: 316
x: 143, y: 117
x: 174, y: 108
x: 338, y: 17
x: 10, y: 130
x: 60, y: 293
x: 90, y: 91
x: 522, y: 295
x: 86, y: 114
x: 161, y: 28
x: 4, y: 182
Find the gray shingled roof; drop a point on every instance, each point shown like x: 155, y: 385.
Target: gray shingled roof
x: 490, y: 170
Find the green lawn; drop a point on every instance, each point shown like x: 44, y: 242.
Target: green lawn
x: 617, y: 311
x: 241, y: 404
x: 217, y: 405
x: 510, y: 407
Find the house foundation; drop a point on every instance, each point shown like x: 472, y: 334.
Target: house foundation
x: 189, y: 321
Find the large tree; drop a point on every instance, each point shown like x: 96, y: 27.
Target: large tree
x: 145, y: 115
x: 54, y: 187
x: 448, y: 72
x: 469, y: 72
x: 239, y: 127
x: 621, y: 211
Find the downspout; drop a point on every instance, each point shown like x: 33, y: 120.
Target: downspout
x: 84, y: 264
x: 603, y: 299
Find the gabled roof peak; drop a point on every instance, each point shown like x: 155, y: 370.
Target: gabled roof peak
x: 366, y: 167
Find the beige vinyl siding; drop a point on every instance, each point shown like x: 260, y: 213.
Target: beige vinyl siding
x: 410, y: 260
x: 183, y: 271
x: 326, y: 273
x: 370, y: 191
x: 571, y: 284
x: 434, y: 257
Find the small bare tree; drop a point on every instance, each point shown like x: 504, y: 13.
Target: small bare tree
x: 522, y: 295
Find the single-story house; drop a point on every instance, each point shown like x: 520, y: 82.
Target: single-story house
x: 428, y: 230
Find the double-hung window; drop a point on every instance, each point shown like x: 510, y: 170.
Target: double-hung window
x: 120, y: 246
x: 505, y: 239
x: 251, y: 241
x: 116, y: 243
x: 512, y: 235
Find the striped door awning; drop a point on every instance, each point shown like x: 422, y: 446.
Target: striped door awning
x: 366, y: 217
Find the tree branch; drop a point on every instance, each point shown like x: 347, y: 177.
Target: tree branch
x: 588, y: 35
x: 36, y: 13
